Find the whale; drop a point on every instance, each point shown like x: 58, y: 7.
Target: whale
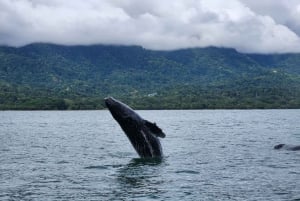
x: 287, y: 147
x: 143, y: 134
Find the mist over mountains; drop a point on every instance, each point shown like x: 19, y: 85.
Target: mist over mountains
x: 48, y: 76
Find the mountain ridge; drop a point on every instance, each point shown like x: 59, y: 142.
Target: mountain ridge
x: 78, y: 77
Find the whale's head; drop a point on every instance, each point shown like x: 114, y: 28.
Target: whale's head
x: 119, y: 110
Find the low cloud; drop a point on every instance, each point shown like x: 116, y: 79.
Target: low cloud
x: 261, y: 26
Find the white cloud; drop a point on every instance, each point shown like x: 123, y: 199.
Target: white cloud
x: 247, y: 25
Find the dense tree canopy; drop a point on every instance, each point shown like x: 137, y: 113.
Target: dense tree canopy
x: 46, y: 76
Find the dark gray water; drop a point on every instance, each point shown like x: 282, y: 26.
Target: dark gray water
x: 209, y: 155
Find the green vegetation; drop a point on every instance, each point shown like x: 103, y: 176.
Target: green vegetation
x: 54, y: 77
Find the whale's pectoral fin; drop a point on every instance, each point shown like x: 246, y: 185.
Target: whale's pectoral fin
x: 154, y: 129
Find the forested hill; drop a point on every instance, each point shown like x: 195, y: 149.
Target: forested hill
x: 47, y: 76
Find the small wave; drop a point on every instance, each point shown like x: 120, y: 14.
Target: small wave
x: 5, y: 150
x: 281, y: 193
x: 38, y: 147
x: 292, y: 172
x: 100, y: 167
x: 146, y: 161
x: 62, y: 162
x: 43, y: 181
x: 103, y: 167
x: 40, y: 161
x: 277, y: 166
x: 187, y: 172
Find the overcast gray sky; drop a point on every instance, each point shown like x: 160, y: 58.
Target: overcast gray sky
x: 261, y: 26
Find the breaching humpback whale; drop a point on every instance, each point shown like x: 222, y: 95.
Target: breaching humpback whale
x: 142, y: 134
x: 287, y: 147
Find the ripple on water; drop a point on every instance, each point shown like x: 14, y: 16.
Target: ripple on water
x: 62, y: 162
x: 102, y: 167
x: 5, y: 150
x: 187, y: 172
x: 38, y: 147
x: 99, y: 167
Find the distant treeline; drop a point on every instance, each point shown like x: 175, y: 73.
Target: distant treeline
x: 177, y: 98
x: 55, y: 77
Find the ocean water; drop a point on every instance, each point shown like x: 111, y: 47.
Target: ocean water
x: 208, y: 155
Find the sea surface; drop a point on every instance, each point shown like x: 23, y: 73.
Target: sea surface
x: 208, y: 155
